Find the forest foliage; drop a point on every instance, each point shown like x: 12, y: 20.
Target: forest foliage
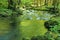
x: 36, y: 23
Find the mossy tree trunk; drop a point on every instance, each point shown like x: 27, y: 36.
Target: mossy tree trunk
x: 12, y: 4
x: 46, y: 2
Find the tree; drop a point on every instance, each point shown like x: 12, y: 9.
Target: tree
x: 12, y: 5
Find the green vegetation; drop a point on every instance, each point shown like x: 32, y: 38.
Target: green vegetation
x: 29, y: 20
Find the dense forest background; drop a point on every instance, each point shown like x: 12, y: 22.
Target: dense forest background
x: 29, y: 19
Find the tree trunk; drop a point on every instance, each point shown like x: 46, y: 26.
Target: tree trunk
x: 14, y: 17
x: 46, y: 2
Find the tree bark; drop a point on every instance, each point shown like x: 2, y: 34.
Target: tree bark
x: 14, y: 16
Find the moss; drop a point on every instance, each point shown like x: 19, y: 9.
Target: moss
x: 31, y: 28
